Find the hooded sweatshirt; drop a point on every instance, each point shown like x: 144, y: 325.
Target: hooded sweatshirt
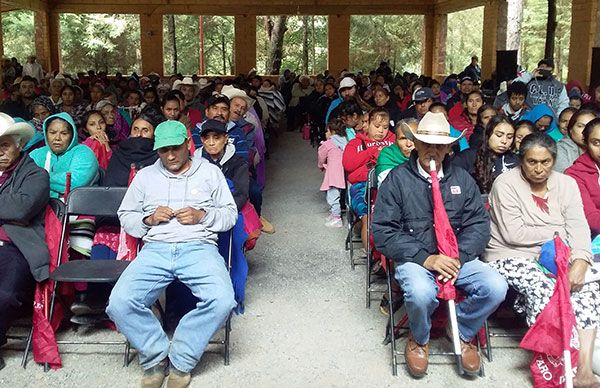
x: 330, y: 159
x: 134, y: 150
x: 539, y: 111
x: 567, y: 152
x: 203, y: 186
x: 361, y: 155
x: 235, y: 168
x: 548, y: 91
x: 587, y: 175
x: 77, y: 159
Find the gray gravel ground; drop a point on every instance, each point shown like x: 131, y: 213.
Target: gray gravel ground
x: 305, y: 324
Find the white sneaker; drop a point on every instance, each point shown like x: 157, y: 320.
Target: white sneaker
x: 334, y: 222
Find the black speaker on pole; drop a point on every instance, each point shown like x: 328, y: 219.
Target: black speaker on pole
x: 595, y: 76
x: 506, y: 65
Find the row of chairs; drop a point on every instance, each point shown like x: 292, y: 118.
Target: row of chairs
x: 100, y: 202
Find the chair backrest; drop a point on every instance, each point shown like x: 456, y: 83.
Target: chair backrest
x: 95, y: 201
x: 58, y: 207
x: 371, y: 180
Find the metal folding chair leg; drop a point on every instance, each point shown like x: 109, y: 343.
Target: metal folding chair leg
x: 27, y: 348
x: 391, y: 323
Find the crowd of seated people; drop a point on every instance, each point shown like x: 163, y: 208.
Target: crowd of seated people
x: 111, y: 132
x: 513, y: 146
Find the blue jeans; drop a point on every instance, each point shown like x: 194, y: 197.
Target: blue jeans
x: 484, y: 289
x: 197, y: 265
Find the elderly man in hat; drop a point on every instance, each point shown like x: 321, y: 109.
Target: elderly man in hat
x: 190, y: 90
x: 177, y: 205
x: 403, y: 230
x: 24, y: 193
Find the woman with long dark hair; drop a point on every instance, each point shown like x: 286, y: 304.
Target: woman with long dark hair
x: 493, y: 157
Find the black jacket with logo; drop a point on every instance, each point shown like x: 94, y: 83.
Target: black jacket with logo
x: 403, y: 217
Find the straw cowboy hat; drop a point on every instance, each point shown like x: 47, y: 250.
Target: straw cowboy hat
x: 189, y: 82
x: 435, y: 129
x: 231, y: 92
x: 8, y: 126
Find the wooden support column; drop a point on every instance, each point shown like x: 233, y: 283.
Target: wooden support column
x: 584, y: 29
x: 41, y: 22
x: 434, y: 56
x: 338, y: 43
x: 494, y: 14
x: 245, y: 43
x: 151, y: 43
x: 55, y: 63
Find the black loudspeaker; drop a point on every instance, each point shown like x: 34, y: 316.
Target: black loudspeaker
x: 506, y: 65
x: 595, y: 75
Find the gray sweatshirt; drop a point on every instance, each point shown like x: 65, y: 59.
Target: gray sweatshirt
x: 203, y: 186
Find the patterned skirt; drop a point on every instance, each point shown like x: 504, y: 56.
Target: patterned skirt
x: 534, y: 290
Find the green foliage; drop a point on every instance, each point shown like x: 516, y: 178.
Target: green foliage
x: 533, y: 34
x: 106, y: 42
x: 18, y: 34
x: 292, y: 45
x: 217, y: 30
x: 395, y: 38
x: 464, y: 38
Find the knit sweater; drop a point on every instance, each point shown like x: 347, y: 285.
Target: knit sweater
x: 520, y: 227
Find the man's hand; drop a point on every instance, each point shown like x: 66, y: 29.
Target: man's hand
x: 162, y: 214
x: 445, y: 266
x: 189, y: 216
x: 577, y: 274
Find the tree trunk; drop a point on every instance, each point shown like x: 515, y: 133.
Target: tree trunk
x: 172, y: 41
x: 550, y: 30
x: 202, y: 64
x: 305, y: 44
x: 513, y: 29
x: 276, y: 27
x: 224, y: 54
x: 313, y: 41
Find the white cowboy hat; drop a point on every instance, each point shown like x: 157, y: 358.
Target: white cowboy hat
x: 8, y: 126
x: 231, y: 92
x: 186, y: 81
x: 435, y: 129
x: 202, y: 83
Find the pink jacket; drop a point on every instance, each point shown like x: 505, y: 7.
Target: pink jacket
x: 330, y: 159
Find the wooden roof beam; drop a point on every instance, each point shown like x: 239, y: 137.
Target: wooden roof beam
x: 450, y: 6
x: 33, y: 5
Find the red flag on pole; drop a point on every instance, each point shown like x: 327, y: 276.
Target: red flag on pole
x: 553, y: 337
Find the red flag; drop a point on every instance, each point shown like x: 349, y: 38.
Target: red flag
x: 446, y: 240
x: 553, y: 337
x: 128, y: 245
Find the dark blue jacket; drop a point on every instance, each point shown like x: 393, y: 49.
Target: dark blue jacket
x: 403, y: 217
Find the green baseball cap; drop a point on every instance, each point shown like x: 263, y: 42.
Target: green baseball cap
x: 169, y: 133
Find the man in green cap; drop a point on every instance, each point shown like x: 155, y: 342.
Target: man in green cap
x: 177, y: 205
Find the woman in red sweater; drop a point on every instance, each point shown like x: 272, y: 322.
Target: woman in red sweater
x: 360, y: 155
x: 586, y: 171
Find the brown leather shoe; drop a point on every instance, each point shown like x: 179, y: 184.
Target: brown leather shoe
x: 417, y: 357
x: 471, y: 359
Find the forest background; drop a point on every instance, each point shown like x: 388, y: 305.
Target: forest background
x: 111, y: 42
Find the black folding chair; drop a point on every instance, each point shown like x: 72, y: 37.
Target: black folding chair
x: 371, y: 283
x: 393, y: 332
x: 98, y: 202
x: 351, y: 221
x: 186, y: 302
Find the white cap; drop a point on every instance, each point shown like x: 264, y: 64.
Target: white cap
x: 347, y: 82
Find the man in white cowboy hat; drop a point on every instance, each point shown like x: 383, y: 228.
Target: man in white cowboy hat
x: 24, y: 193
x: 403, y: 230
x: 190, y: 90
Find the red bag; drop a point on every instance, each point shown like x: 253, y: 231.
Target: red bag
x: 252, y: 225
x: 45, y: 348
x: 306, y: 132
x: 128, y: 245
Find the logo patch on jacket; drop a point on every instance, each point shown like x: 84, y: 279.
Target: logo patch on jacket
x: 455, y: 189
